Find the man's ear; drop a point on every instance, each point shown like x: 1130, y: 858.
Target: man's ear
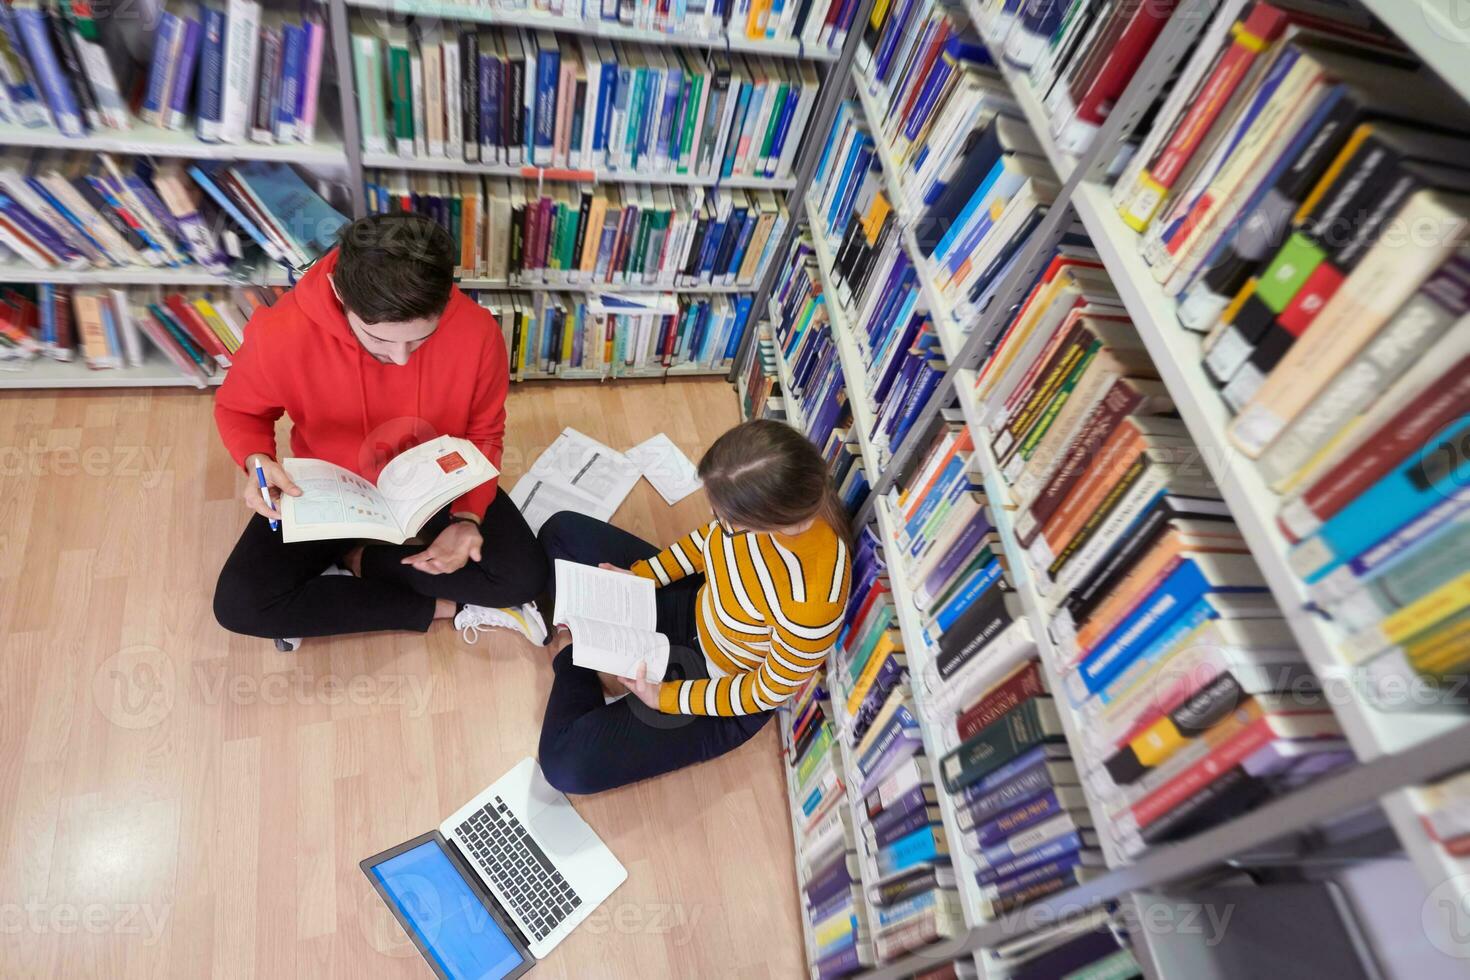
x: 332, y: 281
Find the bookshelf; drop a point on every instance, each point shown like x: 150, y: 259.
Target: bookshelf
x: 1396, y: 750
x: 336, y: 155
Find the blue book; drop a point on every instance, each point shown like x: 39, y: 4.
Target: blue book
x: 742, y: 314
x: 1438, y: 470
x: 208, y: 101
x: 46, y: 303
x: 177, y: 113
x: 742, y: 106
x: 60, y: 99
x: 977, y: 217
x: 976, y: 585
x: 673, y: 90
x: 307, y: 221
x: 36, y: 228
x: 783, y: 124
x: 919, y: 847
x: 293, y: 78
x: 206, y: 180
x: 25, y: 92
x: 607, y: 87
x: 155, y: 96
x: 57, y: 205
x: 548, y: 70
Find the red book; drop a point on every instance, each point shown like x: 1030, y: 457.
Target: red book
x: 1252, y: 36
x: 1145, y: 23
x: 1380, y: 451
x: 1022, y: 685
x: 191, y: 321
x: 1324, y: 281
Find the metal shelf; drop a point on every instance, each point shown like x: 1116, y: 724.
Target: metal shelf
x: 389, y: 161
x: 1436, y: 30
x: 533, y: 20
x: 149, y: 140
x: 43, y: 372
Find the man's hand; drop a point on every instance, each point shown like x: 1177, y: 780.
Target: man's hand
x: 642, y: 688
x: 457, y: 544
x: 276, y: 481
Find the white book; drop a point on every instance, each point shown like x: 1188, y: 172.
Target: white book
x: 420, y: 120
x: 127, y: 328
x: 453, y: 97
x: 613, y: 618
x: 413, y: 487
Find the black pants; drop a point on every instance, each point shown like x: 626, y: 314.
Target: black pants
x: 588, y: 746
x: 273, y: 589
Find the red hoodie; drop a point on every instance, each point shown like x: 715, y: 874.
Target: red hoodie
x: 301, y: 358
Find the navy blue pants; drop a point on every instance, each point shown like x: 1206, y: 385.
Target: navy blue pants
x: 588, y: 746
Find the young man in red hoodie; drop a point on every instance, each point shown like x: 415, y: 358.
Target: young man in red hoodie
x: 373, y: 352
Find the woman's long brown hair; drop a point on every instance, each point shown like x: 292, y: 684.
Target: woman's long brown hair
x: 764, y: 475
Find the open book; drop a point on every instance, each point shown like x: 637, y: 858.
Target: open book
x: 417, y: 484
x: 613, y: 619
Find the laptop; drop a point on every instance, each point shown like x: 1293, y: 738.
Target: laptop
x: 508, y: 876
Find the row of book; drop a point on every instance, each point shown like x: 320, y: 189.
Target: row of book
x: 833, y: 900
x: 1079, y: 56
x: 530, y: 98
x: 1017, y: 791
x: 574, y: 335
x: 59, y: 211
x: 904, y: 848
x: 1195, y: 700
x: 197, y: 331
x: 590, y: 235
x: 1279, y: 205
x: 235, y: 72
x: 760, y: 394
x: 896, y: 391
x: 875, y: 286
x: 819, y: 24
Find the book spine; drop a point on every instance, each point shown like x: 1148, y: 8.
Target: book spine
x: 209, y: 97
x: 1021, y: 687
x: 1023, y: 728
x: 66, y: 114
x: 241, y: 54
x: 293, y: 71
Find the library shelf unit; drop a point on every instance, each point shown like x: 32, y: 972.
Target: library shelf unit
x: 336, y: 156
x: 1396, y: 749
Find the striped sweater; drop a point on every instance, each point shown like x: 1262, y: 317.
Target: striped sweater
x: 769, y: 612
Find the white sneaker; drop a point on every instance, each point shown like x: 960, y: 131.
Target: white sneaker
x: 525, y: 620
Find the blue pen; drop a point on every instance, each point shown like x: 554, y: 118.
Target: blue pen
x: 265, y: 493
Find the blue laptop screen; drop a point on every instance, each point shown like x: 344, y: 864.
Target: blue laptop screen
x: 447, y: 916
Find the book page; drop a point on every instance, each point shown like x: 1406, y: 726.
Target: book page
x: 418, y: 482
x: 665, y: 466
x: 617, y: 650
x: 538, y: 499
x: 334, y: 503
x: 616, y: 598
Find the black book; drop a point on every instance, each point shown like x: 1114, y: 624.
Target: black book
x: 65, y: 43
x: 984, y: 620
x: 469, y: 93
x: 584, y: 213
x: 114, y: 220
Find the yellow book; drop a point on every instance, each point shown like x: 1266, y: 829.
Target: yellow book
x: 887, y: 645
x: 217, y: 325
x: 1415, y: 618
x: 834, y: 927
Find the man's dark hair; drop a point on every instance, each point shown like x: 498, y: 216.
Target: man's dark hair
x: 395, y: 267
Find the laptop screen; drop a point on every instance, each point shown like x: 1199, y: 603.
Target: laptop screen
x: 450, y: 921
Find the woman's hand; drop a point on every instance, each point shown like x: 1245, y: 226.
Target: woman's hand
x: 456, y: 545
x: 613, y: 568
x: 276, y: 481
x: 642, y: 688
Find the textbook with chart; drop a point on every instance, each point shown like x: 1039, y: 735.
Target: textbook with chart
x: 416, y: 485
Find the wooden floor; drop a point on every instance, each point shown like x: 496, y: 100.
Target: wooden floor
x: 179, y: 802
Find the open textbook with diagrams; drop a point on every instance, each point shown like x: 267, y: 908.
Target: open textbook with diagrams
x: 415, y: 485
x: 613, y: 618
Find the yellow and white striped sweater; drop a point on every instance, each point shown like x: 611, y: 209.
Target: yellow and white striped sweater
x: 769, y: 612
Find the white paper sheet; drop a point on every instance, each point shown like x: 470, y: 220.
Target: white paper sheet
x: 666, y: 468
x: 576, y: 473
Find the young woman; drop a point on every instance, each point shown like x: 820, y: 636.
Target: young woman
x: 751, y: 603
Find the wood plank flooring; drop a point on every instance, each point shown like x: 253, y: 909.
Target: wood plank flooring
x: 179, y: 802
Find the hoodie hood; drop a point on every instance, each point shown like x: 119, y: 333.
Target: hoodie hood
x: 319, y: 303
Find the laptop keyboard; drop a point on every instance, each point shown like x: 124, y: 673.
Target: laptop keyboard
x: 532, y: 886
